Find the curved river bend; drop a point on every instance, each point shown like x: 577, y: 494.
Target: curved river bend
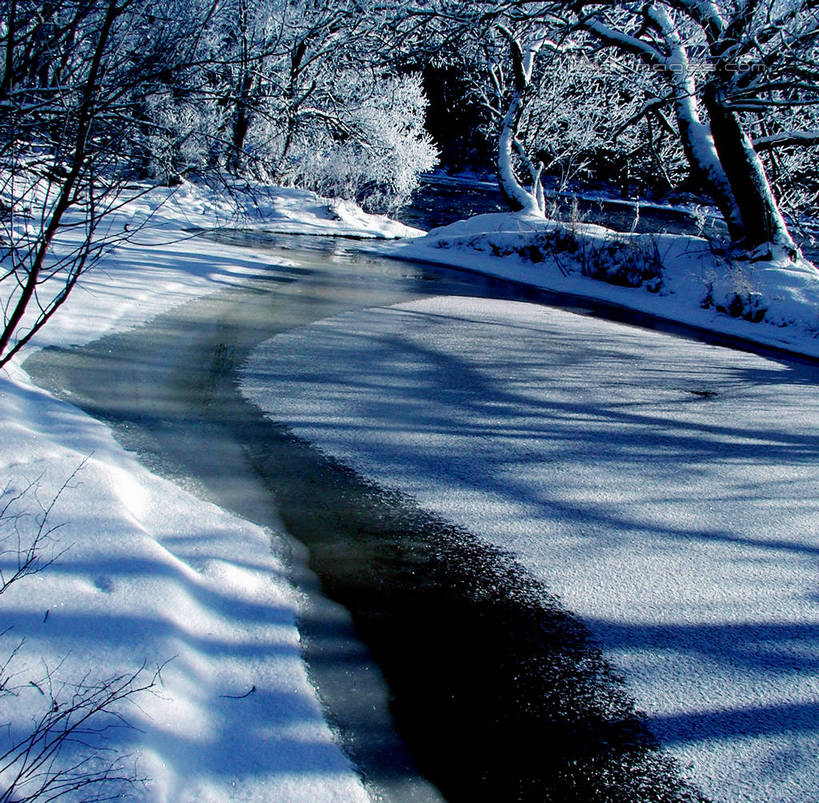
x: 496, y: 691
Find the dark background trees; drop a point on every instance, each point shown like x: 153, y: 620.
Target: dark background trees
x: 654, y: 96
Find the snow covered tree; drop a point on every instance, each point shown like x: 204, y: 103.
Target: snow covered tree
x: 94, y: 93
x: 736, y: 83
x: 74, y: 81
x: 52, y: 147
x: 498, y: 47
x: 729, y: 69
x: 339, y: 118
x: 562, y: 114
x: 554, y: 109
x: 299, y: 93
x: 373, y: 146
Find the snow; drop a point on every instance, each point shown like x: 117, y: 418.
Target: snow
x: 282, y: 210
x: 691, y: 274
x: 146, y: 573
x: 666, y: 489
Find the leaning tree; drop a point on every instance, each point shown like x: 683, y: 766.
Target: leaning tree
x: 71, y: 78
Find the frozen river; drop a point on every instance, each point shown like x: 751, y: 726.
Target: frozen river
x: 493, y: 686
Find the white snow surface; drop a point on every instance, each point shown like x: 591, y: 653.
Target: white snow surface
x: 145, y: 572
x: 275, y: 209
x: 666, y: 490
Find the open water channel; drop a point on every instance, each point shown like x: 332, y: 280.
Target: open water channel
x: 447, y: 671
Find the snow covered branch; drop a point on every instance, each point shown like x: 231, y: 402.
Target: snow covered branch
x: 787, y: 139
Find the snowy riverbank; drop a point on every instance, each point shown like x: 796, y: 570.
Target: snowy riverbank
x: 677, y: 277
x: 150, y: 574
x: 147, y: 574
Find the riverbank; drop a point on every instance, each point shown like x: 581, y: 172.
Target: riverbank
x: 147, y: 576
x: 683, y: 278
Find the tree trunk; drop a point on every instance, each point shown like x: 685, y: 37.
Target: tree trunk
x: 66, y: 196
x: 518, y: 198
x: 699, y: 147
x: 241, y: 116
x: 762, y: 222
x: 707, y: 170
x: 241, y: 126
x: 8, y: 65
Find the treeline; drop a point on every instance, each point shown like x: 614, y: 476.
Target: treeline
x: 95, y: 94
x: 282, y: 92
x: 719, y: 97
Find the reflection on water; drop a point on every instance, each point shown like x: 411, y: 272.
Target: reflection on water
x: 309, y: 246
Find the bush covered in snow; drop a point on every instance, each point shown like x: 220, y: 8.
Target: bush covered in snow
x: 372, y: 153
x: 700, y: 276
x: 620, y: 259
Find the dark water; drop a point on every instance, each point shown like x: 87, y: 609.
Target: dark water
x: 439, y: 202
x: 493, y: 690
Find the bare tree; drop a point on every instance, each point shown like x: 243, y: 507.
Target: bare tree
x: 25, y: 537
x: 73, y: 76
x: 55, y: 66
x: 60, y: 747
x: 63, y: 750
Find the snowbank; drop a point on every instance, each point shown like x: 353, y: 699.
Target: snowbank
x: 271, y: 209
x: 681, y: 278
x: 147, y: 574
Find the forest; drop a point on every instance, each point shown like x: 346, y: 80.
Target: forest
x: 356, y: 98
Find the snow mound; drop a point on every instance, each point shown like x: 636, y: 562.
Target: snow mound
x: 689, y: 279
x: 779, y: 292
x: 147, y: 575
x: 285, y: 210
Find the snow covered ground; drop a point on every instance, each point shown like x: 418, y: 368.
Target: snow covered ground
x: 668, y: 491
x: 656, y: 489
